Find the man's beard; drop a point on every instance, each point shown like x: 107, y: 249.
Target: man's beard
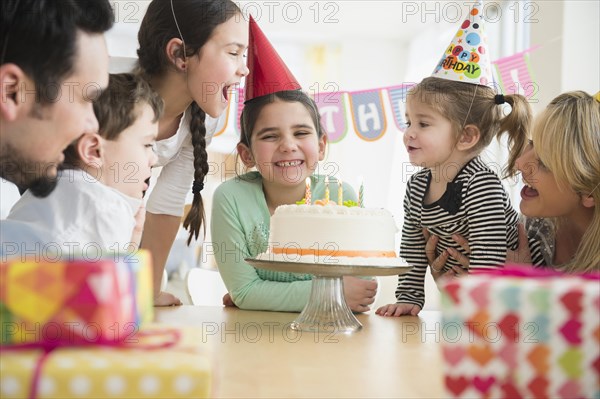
x: 43, y: 187
x: 26, y: 174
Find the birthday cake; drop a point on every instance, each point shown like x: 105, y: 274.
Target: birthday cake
x: 332, y: 234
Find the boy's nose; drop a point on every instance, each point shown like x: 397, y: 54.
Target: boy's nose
x: 153, y: 159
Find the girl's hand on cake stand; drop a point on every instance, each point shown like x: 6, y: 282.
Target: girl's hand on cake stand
x: 398, y: 309
x: 359, y: 293
x: 228, y: 302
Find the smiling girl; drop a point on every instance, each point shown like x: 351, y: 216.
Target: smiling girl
x: 192, y: 54
x: 283, y: 139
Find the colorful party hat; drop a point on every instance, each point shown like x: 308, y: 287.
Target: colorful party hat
x: 467, y: 57
x: 268, y: 73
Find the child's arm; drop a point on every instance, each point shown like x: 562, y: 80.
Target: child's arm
x: 247, y: 289
x: 411, y: 285
x: 488, y: 221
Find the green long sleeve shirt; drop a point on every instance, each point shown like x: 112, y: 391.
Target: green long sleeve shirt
x: 240, y: 229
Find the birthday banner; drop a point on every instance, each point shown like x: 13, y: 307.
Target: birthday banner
x: 364, y: 112
x: 515, y: 75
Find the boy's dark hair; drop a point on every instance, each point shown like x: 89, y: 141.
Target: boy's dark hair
x: 117, y: 108
x: 40, y: 36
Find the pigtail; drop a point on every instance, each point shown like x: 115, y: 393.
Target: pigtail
x: 517, y: 124
x: 196, y: 217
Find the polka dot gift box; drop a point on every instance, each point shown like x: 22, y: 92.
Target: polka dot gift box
x: 179, y: 371
x: 74, y: 302
x: 522, y: 333
x: 466, y: 59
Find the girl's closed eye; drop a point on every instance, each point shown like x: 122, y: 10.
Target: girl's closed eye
x: 268, y: 137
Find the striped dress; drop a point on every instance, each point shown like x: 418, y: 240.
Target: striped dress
x: 475, y: 205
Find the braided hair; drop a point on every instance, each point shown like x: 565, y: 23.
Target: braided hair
x: 193, y: 21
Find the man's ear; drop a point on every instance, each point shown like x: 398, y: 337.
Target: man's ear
x: 246, y: 155
x: 90, y: 150
x: 13, y: 86
x: 469, y: 138
x: 322, y: 146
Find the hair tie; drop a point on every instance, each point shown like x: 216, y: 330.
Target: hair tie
x: 499, y: 99
x: 197, y: 186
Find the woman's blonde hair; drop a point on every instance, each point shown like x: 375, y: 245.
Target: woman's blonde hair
x: 567, y: 141
x: 468, y: 104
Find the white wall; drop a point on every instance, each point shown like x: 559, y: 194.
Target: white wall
x: 569, y: 56
x: 580, y: 46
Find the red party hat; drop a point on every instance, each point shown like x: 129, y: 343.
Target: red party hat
x: 268, y: 73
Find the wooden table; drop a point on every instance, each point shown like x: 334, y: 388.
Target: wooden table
x: 257, y: 355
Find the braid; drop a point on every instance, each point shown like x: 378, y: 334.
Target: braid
x: 196, y: 216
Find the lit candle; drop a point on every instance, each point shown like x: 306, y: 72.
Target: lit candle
x: 361, y: 193
x: 307, y: 195
x: 326, y: 189
x: 340, y: 192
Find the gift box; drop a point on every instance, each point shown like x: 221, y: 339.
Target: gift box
x: 181, y: 369
x: 70, y: 302
x: 520, y: 333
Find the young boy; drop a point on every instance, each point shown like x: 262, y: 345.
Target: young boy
x: 97, y: 204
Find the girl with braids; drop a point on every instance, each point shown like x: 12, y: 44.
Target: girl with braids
x: 192, y: 53
x: 449, y: 124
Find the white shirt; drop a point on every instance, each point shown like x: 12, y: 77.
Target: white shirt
x: 80, y: 217
x: 176, y: 156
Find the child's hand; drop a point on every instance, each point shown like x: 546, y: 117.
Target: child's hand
x: 138, y: 229
x: 359, y: 293
x: 166, y: 299
x: 228, y: 302
x: 398, y: 309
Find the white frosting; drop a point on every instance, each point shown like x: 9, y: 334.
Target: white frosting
x: 332, y: 227
x: 333, y: 260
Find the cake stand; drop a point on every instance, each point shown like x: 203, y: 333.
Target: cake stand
x: 326, y: 310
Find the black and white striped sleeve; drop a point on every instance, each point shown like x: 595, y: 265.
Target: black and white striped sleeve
x: 487, y: 220
x: 411, y: 285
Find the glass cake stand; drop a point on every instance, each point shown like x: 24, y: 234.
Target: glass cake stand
x: 326, y: 310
